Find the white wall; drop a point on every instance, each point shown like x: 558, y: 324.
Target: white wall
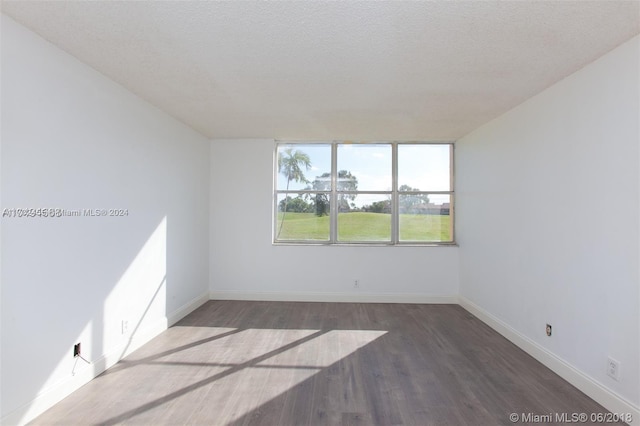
x: 73, y: 139
x: 548, y: 223
x: 244, y: 264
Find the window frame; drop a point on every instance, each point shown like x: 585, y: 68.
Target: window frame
x: 333, y: 194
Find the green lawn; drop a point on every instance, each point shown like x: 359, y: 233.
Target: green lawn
x: 425, y: 227
x: 360, y: 226
x: 303, y: 226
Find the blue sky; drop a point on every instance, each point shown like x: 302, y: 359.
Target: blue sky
x: 425, y: 167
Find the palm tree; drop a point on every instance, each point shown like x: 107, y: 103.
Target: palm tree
x: 290, y: 163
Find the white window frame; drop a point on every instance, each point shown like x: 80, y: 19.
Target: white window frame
x: 394, y: 193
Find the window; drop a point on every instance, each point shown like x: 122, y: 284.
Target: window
x: 389, y: 193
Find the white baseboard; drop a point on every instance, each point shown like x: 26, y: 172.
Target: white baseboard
x: 60, y: 390
x: 595, y: 390
x: 187, y: 308
x: 355, y: 297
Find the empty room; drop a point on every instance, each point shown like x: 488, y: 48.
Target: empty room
x: 320, y: 213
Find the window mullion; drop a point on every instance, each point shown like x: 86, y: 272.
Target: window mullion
x: 395, y: 222
x: 333, y: 203
x: 452, y: 189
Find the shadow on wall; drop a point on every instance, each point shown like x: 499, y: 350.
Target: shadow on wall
x: 86, y: 302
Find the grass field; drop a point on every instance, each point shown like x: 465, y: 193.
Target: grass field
x: 361, y: 226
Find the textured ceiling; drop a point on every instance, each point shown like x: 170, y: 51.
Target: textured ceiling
x: 340, y: 70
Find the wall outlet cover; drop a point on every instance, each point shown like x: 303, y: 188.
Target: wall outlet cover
x: 613, y: 368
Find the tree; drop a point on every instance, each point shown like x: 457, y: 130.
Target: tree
x: 290, y: 164
x: 412, y: 203
x: 322, y: 205
x: 383, y: 206
x: 295, y: 205
x: 346, y: 182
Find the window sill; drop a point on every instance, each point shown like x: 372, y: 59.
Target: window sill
x: 364, y: 244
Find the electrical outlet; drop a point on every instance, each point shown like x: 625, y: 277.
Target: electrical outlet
x: 549, y: 330
x: 124, y: 327
x: 76, y: 350
x: 613, y: 368
x: 356, y: 283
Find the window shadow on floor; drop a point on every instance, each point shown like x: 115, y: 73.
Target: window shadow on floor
x: 285, y: 363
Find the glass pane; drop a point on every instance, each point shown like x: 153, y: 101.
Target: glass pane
x: 364, y: 167
x: 425, y: 218
x: 302, y: 217
x: 424, y: 167
x: 298, y: 164
x: 365, y: 218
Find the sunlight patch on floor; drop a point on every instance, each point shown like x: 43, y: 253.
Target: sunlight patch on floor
x: 224, y: 373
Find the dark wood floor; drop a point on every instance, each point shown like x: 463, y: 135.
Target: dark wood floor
x: 284, y: 363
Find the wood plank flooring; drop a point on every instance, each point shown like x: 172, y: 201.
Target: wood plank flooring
x: 286, y: 363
